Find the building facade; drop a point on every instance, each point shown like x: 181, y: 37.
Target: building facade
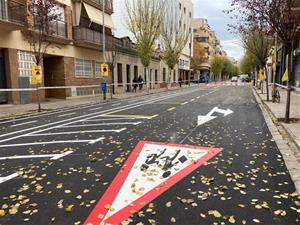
x: 73, y: 59
x: 204, y: 35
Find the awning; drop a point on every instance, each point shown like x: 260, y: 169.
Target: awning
x: 96, y: 16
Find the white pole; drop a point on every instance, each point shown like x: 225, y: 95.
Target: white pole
x: 103, y: 29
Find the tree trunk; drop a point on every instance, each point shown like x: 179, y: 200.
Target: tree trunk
x: 147, y: 79
x: 267, y: 84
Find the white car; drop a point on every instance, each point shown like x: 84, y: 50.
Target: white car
x: 234, y: 79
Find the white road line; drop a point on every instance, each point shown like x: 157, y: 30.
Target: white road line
x: 112, y: 119
x: 51, y: 156
x: 116, y: 104
x: 45, y: 143
x: 171, y: 109
x: 192, y: 100
x: 68, y: 114
x: 74, y: 132
x: 90, y: 116
x: 25, y: 123
x: 184, y: 103
x: 96, y: 108
x: 9, y: 177
x: 198, y: 97
x: 126, y: 116
x: 96, y: 140
x: 100, y: 124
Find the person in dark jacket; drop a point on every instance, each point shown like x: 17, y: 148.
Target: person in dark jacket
x: 141, y: 82
x: 134, y: 84
x: 180, y: 81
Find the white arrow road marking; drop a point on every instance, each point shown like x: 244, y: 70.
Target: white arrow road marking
x: 9, y: 177
x: 51, y: 156
x: 222, y: 111
x: 204, y: 119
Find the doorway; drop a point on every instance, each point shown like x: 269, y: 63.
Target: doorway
x: 3, y: 84
x: 128, y: 81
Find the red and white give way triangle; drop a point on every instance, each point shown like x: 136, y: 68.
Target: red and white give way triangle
x: 151, y: 169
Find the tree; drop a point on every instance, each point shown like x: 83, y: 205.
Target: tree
x: 278, y: 16
x: 217, y: 66
x: 249, y: 63
x: 42, y: 18
x: 229, y: 69
x: 174, y: 37
x: 199, y: 56
x: 144, y: 20
x: 256, y: 41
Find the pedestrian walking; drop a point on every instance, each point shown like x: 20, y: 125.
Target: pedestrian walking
x: 141, y: 82
x: 180, y: 81
x: 134, y: 84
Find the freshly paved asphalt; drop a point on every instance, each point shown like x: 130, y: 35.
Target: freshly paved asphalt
x: 248, y: 172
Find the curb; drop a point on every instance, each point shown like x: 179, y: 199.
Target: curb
x: 292, y: 164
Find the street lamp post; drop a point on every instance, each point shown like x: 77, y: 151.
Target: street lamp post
x: 103, y: 45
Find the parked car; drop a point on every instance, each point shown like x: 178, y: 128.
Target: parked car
x: 244, y: 78
x: 234, y: 79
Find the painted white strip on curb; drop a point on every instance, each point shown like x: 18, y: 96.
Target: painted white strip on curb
x: 25, y: 123
x: 51, y: 156
x: 44, y: 143
x: 9, y: 177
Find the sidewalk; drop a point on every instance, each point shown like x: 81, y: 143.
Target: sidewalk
x: 286, y: 136
x: 278, y: 111
x: 11, y: 111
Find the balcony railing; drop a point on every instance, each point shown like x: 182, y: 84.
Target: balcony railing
x: 84, y: 34
x: 53, y: 28
x: 12, y: 11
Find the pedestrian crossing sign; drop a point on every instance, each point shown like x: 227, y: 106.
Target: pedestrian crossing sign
x: 37, y: 75
x: 104, y: 70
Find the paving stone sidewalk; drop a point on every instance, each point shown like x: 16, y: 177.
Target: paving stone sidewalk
x: 286, y: 136
x: 11, y: 111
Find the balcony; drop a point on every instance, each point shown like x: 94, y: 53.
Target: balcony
x: 56, y: 31
x: 12, y: 15
x: 88, y: 38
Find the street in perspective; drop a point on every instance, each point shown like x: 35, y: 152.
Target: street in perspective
x: 154, y: 112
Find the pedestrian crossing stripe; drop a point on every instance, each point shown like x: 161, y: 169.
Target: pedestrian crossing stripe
x: 151, y: 169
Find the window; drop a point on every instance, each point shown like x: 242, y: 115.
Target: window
x: 164, y: 74
x: 83, y: 68
x: 184, y: 10
x: 190, y: 14
x: 180, y: 6
x: 120, y: 74
x: 174, y: 76
x: 156, y: 77
x: 202, y: 39
x: 97, y: 69
x: 25, y: 60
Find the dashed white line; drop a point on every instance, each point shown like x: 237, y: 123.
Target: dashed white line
x: 9, y: 177
x: 94, y: 109
x: 74, y: 132
x: 184, y: 103
x: 45, y: 143
x: 97, y: 140
x: 99, y: 124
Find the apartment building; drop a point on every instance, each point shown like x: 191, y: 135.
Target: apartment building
x: 74, y: 58
x: 204, y: 35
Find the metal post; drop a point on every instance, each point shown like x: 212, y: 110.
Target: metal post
x: 289, y: 86
x: 274, y: 69
x: 38, y: 98
x: 103, y: 37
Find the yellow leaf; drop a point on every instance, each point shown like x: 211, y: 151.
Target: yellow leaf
x: 231, y: 219
x: 215, y: 213
x: 2, y: 212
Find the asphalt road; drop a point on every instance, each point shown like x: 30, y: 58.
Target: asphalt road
x: 67, y: 160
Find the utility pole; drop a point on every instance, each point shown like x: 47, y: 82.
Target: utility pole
x: 104, y: 82
x: 274, y: 68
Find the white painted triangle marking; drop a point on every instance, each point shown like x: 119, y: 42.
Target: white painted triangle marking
x: 139, y: 182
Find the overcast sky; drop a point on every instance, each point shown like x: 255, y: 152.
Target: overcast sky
x: 209, y: 9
